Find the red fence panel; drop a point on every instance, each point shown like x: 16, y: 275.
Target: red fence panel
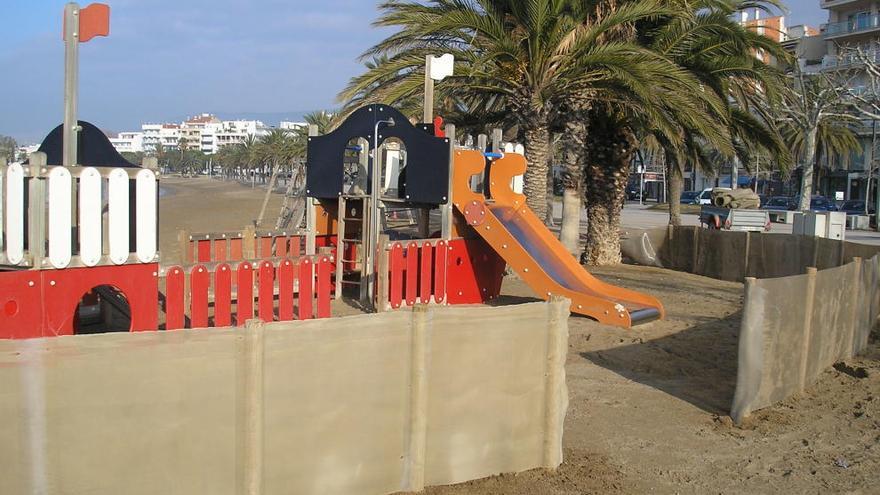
x: 199, y: 279
x: 440, y: 257
x: 174, y: 296
x: 266, y: 296
x: 245, y: 306
x: 235, y: 249
x: 220, y: 249
x: 203, y: 250
x: 396, y: 267
x: 412, y: 273
x: 223, y: 296
x: 286, y: 275
x: 426, y: 268
x: 265, y: 247
x: 305, y: 289
x: 325, y: 267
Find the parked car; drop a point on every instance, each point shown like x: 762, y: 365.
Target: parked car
x: 689, y: 197
x: 821, y: 203
x: 779, y: 203
x: 633, y: 193
x: 705, y: 197
x: 856, y: 207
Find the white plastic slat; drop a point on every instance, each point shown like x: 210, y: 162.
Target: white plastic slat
x: 14, y: 214
x: 519, y: 149
x: 59, y: 217
x: 146, y: 215
x: 118, y: 222
x: 508, y: 147
x: 90, y: 216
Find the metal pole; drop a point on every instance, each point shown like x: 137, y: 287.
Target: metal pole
x: 428, y: 114
x: 374, y: 221
x: 71, y: 76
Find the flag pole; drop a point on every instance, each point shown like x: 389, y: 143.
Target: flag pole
x: 71, y: 76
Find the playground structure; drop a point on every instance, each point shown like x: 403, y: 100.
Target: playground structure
x: 396, y: 214
x: 469, y: 223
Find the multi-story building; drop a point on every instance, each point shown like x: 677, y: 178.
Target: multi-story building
x: 204, y: 132
x: 132, y: 142
x: 853, y: 24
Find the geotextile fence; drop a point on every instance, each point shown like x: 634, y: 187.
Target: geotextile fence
x: 793, y: 328
x: 733, y: 256
x: 809, y: 302
x: 366, y: 404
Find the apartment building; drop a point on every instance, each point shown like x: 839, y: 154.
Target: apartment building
x: 204, y: 132
x: 851, y: 24
x: 132, y: 142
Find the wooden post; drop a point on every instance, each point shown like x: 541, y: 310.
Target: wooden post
x: 37, y: 209
x: 418, y: 417
x: 557, y: 345
x: 808, y: 322
x: 249, y: 243
x: 311, y: 214
x: 855, y: 299
x: 249, y: 383
x: 382, y: 274
x: 446, y: 210
x: 746, y: 254
x: 428, y: 110
x: 183, y: 242
x: 695, y: 255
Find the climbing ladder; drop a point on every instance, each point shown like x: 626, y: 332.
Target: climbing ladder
x: 353, y: 216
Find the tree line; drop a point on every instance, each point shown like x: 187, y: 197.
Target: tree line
x: 589, y: 83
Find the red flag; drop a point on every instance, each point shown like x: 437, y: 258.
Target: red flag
x: 94, y: 20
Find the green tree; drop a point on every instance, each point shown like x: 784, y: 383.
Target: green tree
x: 277, y: 149
x: 525, y: 57
x: 8, y: 148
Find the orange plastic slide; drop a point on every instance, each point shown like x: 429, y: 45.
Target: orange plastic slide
x: 513, y: 230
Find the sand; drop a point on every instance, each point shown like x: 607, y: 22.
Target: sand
x: 648, y: 407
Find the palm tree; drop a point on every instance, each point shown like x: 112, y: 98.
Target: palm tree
x: 815, y: 122
x: 276, y: 149
x: 526, y: 57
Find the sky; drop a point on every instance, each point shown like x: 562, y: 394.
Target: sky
x: 168, y: 59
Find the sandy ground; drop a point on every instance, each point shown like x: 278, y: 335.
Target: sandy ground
x: 648, y: 407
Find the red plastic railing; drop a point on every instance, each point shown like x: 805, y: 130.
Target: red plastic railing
x: 417, y: 272
x: 304, y: 291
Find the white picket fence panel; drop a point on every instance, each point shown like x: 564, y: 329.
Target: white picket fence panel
x: 89, y: 205
x: 14, y: 214
x: 60, y: 188
x: 147, y: 206
x: 118, y: 217
x: 90, y: 241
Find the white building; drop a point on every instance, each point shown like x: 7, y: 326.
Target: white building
x: 204, y: 132
x: 132, y: 142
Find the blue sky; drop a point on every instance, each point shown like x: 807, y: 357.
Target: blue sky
x: 167, y: 59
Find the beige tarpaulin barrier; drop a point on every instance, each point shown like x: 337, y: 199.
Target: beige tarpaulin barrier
x: 365, y: 404
x: 736, y: 255
x: 793, y: 328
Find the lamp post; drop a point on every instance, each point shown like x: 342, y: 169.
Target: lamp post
x: 373, y: 222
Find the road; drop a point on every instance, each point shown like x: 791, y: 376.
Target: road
x: 636, y: 216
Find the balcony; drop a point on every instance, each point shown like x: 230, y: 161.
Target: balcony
x: 832, y: 62
x: 860, y: 24
x: 833, y: 4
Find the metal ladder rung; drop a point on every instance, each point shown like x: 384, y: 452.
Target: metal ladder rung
x: 352, y: 241
x: 353, y: 219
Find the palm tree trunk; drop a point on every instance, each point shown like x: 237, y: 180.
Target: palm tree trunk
x: 268, y: 193
x: 809, y: 166
x: 535, y: 179
x: 673, y: 172
x: 609, y: 151
x: 573, y: 158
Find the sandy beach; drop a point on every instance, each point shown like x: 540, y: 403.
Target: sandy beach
x: 648, y: 406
